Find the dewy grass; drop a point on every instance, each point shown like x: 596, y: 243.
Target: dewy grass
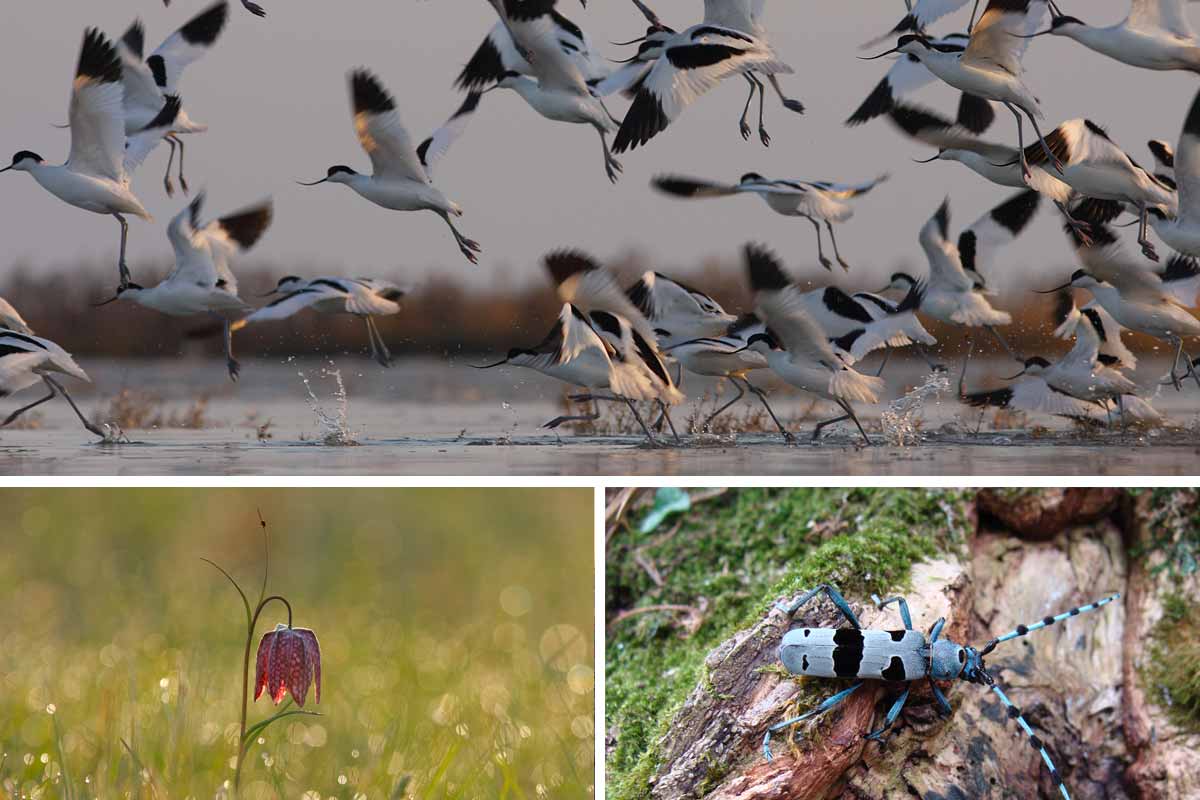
x: 1173, y: 671
x: 728, y: 560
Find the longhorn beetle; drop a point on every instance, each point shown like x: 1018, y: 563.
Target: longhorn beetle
x: 897, y: 656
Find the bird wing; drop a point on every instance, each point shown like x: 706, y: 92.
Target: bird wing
x: 578, y: 335
x: 905, y: 77
x: 495, y: 55
x: 139, y: 145
x: 292, y: 302
x: 186, y: 45
x: 234, y: 233
x: 686, y: 70
x: 995, y: 229
x: 584, y: 283
x: 945, y: 266
x: 1187, y: 163
x: 1160, y: 15
x: 141, y: 92
x: 193, y: 258
x: 996, y: 41
x: 786, y: 314
x: 682, y: 186
x: 537, y: 29
x: 926, y: 12
x: 935, y: 130
x: 11, y: 319
x: 1032, y: 393
x: 96, y: 116
x: 380, y: 131
x: 845, y: 191
x: 435, y: 147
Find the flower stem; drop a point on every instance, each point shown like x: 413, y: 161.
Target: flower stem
x: 237, y: 775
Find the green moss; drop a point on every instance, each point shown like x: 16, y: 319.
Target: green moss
x: 1174, y: 527
x: 734, y: 556
x: 1173, y: 670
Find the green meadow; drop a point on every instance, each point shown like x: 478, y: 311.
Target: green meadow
x: 455, y: 626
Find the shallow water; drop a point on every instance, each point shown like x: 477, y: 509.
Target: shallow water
x: 427, y: 417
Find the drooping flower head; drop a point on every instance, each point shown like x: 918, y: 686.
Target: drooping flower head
x: 288, y: 660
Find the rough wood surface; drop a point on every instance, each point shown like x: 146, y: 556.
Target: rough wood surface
x: 1076, y: 683
x: 1042, y: 514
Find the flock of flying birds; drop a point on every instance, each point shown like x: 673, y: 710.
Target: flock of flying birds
x: 620, y: 344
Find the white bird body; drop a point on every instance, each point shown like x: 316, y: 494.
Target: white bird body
x: 1181, y: 230
x: 1155, y: 35
x: 95, y: 193
x: 400, y: 172
x: 717, y: 356
x: 561, y: 106
x: 1094, y: 326
x: 678, y: 312
x: 331, y: 295
x: 24, y: 358
x: 1162, y: 317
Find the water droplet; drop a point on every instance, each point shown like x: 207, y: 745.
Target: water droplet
x: 342, y: 780
x: 51, y: 708
x: 354, y: 753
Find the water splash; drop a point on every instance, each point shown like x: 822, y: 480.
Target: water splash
x: 902, y: 419
x: 334, y: 427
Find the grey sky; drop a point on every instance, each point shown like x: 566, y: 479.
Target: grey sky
x: 274, y: 93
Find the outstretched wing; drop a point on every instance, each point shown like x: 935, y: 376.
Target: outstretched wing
x: 187, y: 45
x: 380, y: 131
x: 997, y: 40
x: 96, y: 115
x: 435, y: 147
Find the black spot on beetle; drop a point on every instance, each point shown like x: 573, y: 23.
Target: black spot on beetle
x: 847, y: 652
x: 1054, y: 776
x: 806, y: 633
x: 804, y: 663
x: 897, y: 636
x: 894, y: 671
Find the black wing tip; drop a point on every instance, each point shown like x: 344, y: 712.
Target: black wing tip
x: 194, y: 209
x: 1191, y: 125
x: 880, y: 101
x: 999, y: 398
x: 764, y: 269
x: 676, y: 185
x: 98, y: 58
x: 204, y: 28
x: 644, y: 119
x: 1162, y: 151
x: 942, y: 216
x: 567, y: 262
x: 134, y: 38
x: 1180, y: 267
x: 167, y: 114
x: 484, y: 68
x: 247, y: 227
x: 975, y: 113
x: 1064, y: 302
x: 368, y: 94
x: 1015, y: 213
x: 912, y: 300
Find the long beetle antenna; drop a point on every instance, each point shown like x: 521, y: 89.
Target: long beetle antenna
x: 1014, y: 712
x: 1022, y: 630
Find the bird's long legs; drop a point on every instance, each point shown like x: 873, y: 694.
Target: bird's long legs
x: 1054, y: 160
x: 662, y: 407
x: 787, y: 436
x: 740, y: 394
x: 13, y: 416
x: 125, y: 276
x: 887, y: 353
x: 595, y: 415
x: 168, y: 185
x: 788, y: 102
x: 762, y: 101
x: 1003, y: 343
x: 1079, y: 227
x: 848, y: 415
x: 825, y: 262
x: 581, y: 398
x: 962, y: 376
x: 182, y: 180
x: 743, y: 126
x: 56, y: 386
x: 836, y: 254
x: 1143, y: 223
x: 469, y: 247
x: 379, y: 348
x: 971, y: 22
x: 235, y: 369
x: 1026, y: 175
x: 612, y: 167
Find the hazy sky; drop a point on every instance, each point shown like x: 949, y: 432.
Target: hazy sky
x: 274, y: 92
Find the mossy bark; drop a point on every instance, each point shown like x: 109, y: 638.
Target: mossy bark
x: 1080, y: 683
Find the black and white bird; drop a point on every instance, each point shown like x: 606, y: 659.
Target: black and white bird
x: 1181, y: 229
x: 498, y: 55
x: 997, y: 163
x: 26, y: 359
x: 400, y: 177
x: 1155, y: 35
x: 1091, y: 321
x: 923, y: 13
x: 990, y: 66
x: 1095, y: 167
x: 576, y: 352
x: 1031, y: 392
x: 686, y: 65
x: 908, y: 75
x: 582, y: 282
x: 363, y: 297
x: 952, y: 294
x: 202, y: 281
x: 795, y: 346
x: 558, y: 89
x: 816, y: 201
x: 97, y: 174
x: 150, y: 81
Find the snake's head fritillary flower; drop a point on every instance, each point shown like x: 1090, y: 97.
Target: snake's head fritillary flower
x: 288, y: 661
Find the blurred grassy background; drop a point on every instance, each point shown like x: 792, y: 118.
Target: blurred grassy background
x: 456, y: 631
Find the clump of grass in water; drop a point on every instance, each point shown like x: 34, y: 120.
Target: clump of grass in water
x: 334, y: 428
x: 903, y: 418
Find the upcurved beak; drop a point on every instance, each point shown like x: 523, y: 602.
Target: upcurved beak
x: 1066, y: 285
x: 881, y: 55
x: 6, y: 169
x: 934, y: 157
x: 112, y: 299
x: 1014, y: 377
x: 314, y: 183
x: 488, y: 366
x: 631, y: 41
x: 267, y: 294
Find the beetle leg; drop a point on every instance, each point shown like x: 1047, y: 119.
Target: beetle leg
x: 821, y: 709
x: 943, y: 703
x: 892, y: 715
x: 904, y: 615
x: 839, y: 601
